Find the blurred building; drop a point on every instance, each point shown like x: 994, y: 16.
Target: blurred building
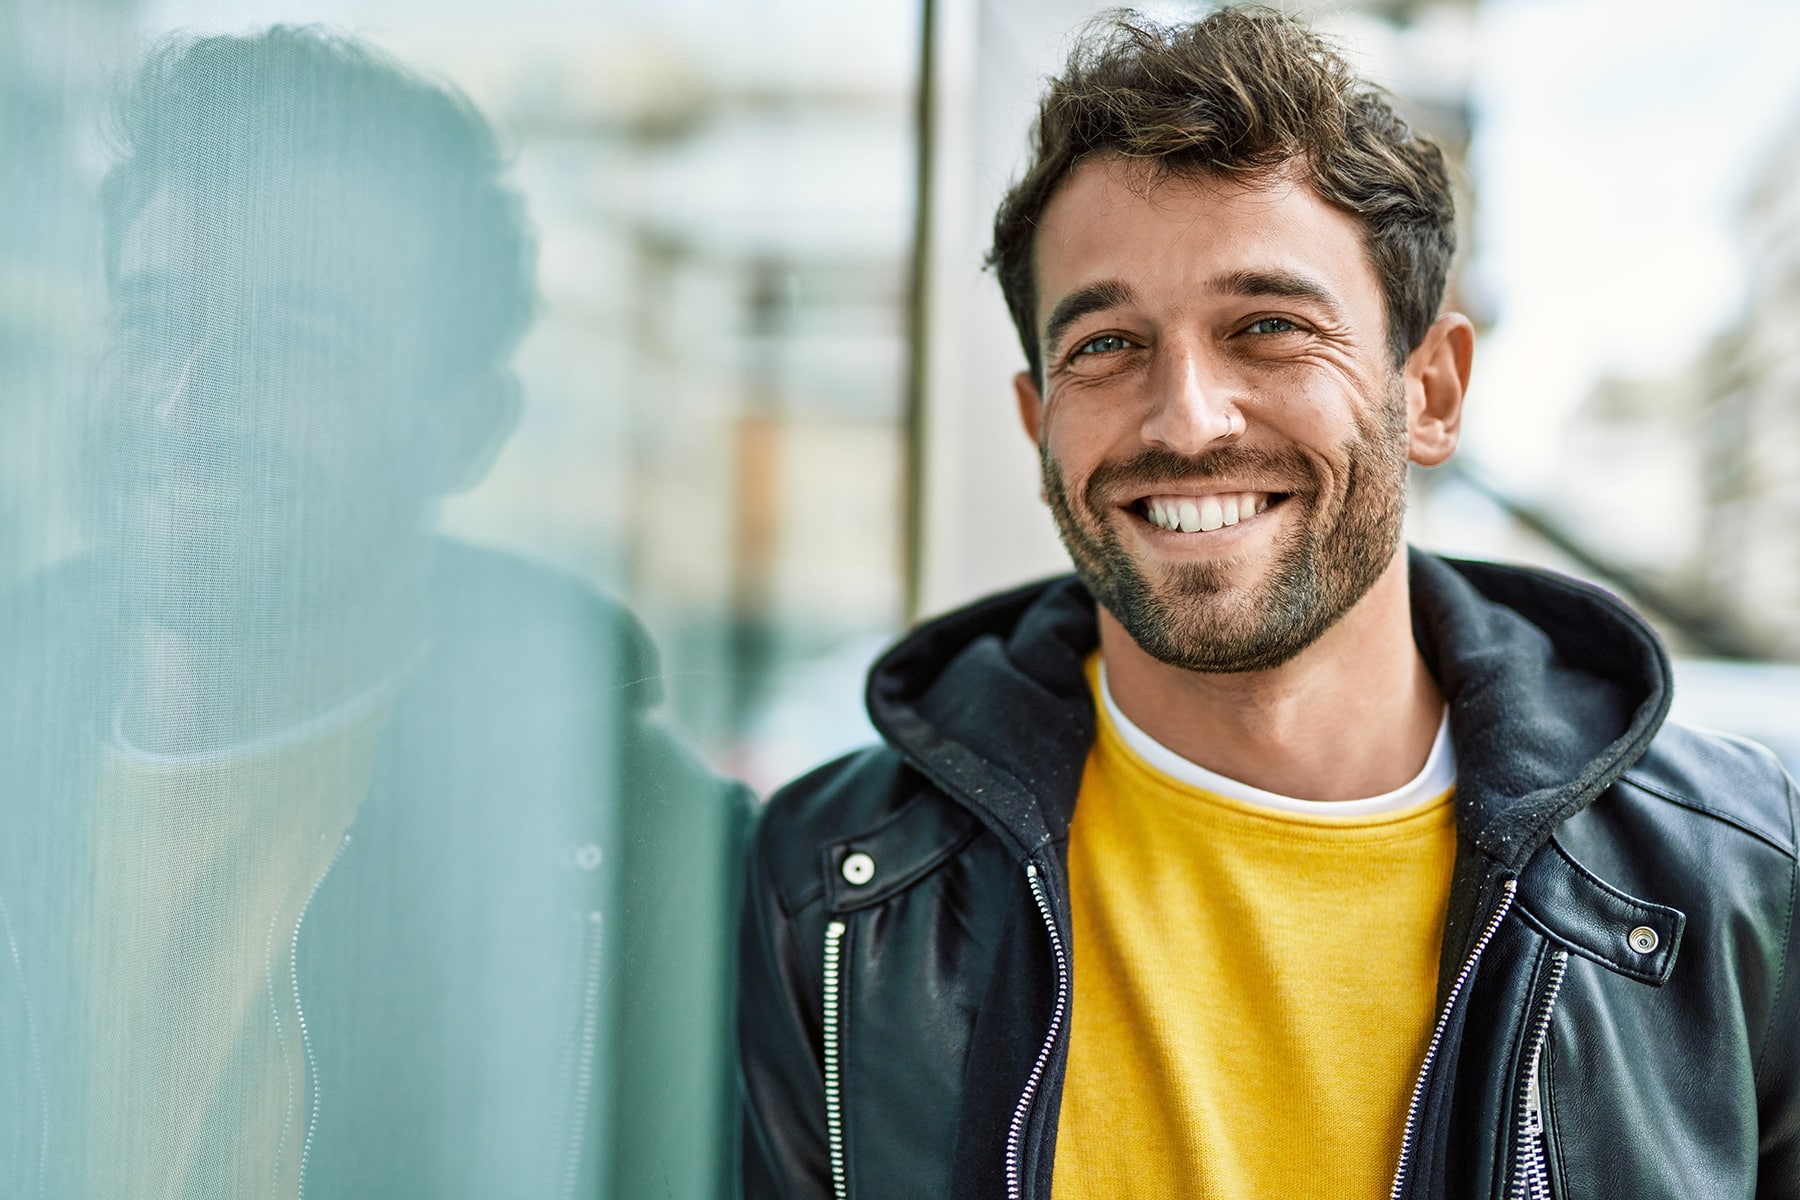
x: 718, y: 378
x: 1747, y: 412
x: 1685, y: 487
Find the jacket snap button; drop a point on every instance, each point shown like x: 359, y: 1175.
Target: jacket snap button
x: 1643, y: 939
x: 859, y: 868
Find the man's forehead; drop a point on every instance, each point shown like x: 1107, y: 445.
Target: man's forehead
x: 1121, y: 220
x: 303, y: 234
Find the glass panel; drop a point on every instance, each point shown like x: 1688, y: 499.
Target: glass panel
x: 431, y: 439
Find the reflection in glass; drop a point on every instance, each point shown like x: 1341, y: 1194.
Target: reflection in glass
x: 341, y: 858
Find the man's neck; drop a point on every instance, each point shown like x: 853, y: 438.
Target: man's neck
x: 1353, y: 715
x: 192, y: 694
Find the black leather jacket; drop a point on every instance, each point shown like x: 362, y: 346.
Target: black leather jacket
x: 1621, y: 916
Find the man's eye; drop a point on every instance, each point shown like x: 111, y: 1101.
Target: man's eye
x: 1106, y: 343
x: 1272, y: 325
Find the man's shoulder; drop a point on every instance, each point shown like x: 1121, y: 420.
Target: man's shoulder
x: 1703, y: 823
x: 869, y: 801
x: 1721, y: 778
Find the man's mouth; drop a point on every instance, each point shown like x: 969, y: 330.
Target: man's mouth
x: 1204, y: 513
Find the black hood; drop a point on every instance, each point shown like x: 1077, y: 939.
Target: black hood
x: 1555, y: 689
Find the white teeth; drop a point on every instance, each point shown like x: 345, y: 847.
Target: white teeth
x: 1212, y: 513
x: 1204, y: 514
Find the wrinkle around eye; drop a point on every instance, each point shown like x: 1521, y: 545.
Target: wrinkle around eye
x: 1083, y: 359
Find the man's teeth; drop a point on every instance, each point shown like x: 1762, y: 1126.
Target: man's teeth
x: 1205, y: 514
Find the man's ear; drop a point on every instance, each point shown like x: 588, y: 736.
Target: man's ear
x: 1437, y: 378
x: 1031, y: 413
x: 487, y: 412
x: 1031, y: 405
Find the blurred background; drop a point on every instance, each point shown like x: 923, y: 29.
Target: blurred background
x: 764, y: 398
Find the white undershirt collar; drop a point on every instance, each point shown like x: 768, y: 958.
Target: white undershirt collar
x: 339, y: 716
x: 1434, y: 779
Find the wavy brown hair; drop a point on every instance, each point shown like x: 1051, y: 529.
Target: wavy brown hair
x: 1242, y: 92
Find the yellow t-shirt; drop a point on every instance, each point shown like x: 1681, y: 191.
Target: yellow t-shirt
x: 197, y: 1075
x: 1254, y: 988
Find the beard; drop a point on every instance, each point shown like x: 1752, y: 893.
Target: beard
x: 1191, y: 615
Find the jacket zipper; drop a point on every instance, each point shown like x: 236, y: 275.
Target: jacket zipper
x: 31, y: 1038
x: 834, y: 1101
x: 312, y: 1066
x: 1015, y: 1135
x: 1532, y: 1178
x: 584, y: 1062
x: 1409, y: 1139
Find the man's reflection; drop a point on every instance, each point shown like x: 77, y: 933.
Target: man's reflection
x: 385, y: 885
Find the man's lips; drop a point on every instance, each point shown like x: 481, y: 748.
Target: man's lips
x: 1202, y: 512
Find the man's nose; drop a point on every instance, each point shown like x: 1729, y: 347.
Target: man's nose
x: 1192, y: 403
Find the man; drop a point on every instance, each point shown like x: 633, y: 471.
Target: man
x: 340, y: 859
x: 1264, y: 857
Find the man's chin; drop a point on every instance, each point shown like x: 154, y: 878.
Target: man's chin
x: 1226, y: 593
x: 1214, y: 618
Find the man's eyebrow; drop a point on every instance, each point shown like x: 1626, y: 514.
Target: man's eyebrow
x: 1288, y: 285
x: 1095, y: 297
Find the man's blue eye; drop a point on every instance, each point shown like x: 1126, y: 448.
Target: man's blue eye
x: 1106, y: 343
x: 1273, y: 325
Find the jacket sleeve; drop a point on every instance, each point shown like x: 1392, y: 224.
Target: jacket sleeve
x: 680, y: 845
x: 780, y: 1066
x: 1778, y: 1090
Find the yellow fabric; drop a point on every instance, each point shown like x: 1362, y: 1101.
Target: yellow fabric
x: 197, y: 1079
x: 1254, y: 989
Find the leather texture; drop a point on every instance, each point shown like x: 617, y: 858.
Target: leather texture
x: 1665, y: 1075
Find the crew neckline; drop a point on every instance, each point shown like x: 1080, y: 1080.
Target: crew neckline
x: 1436, y: 777
x: 344, y: 714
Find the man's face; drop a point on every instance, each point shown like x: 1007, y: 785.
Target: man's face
x: 268, y: 426
x: 1223, y: 434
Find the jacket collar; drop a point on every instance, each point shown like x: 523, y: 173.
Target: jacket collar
x: 1555, y: 689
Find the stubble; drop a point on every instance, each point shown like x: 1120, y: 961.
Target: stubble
x: 1192, y: 615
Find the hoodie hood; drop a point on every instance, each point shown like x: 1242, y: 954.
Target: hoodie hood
x: 1555, y: 689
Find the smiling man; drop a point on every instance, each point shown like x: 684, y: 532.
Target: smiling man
x: 338, y: 858
x: 1264, y: 857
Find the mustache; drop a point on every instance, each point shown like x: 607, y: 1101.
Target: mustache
x: 1271, y: 470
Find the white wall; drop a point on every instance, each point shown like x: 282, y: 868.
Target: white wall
x: 984, y: 527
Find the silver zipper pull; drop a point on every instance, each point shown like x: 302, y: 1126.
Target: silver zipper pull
x: 1532, y: 1173
x: 1534, y: 1101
